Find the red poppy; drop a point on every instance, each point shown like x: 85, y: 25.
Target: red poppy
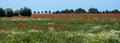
x: 1, y: 30
x: 21, y: 25
x: 62, y: 29
x: 36, y: 27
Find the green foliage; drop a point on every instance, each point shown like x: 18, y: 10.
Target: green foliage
x: 71, y: 11
x: 49, y: 12
x: 8, y: 12
x: 25, y: 12
x: 34, y: 12
x: 115, y: 11
x: 80, y: 10
x: 93, y: 10
x: 32, y: 36
x: 67, y: 11
x: 64, y: 11
x: 76, y: 31
x: 16, y: 13
x: 38, y: 12
x: 2, y: 12
x: 46, y: 11
x: 106, y: 11
x: 57, y: 12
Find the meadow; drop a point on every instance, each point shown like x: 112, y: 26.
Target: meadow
x: 61, y: 28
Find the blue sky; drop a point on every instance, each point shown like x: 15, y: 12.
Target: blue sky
x: 40, y: 5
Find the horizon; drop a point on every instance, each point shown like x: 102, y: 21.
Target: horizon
x: 53, y: 5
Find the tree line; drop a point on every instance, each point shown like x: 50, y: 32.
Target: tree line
x: 25, y: 11
x: 8, y: 12
x: 79, y: 10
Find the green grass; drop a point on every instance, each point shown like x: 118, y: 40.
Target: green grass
x: 40, y: 36
x: 76, y: 31
x: 76, y: 25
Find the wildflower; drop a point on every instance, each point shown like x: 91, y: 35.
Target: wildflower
x: 55, y: 27
x: 96, y: 27
x: 45, y: 29
x: 70, y: 35
x: 36, y: 27
x: 62, y: 29
x: 21, y: 25
x: 51, y: 29
x: 1, y: 30
x: 118, y: 39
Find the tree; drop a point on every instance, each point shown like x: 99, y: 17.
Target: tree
x: 57, y: 12
x: 106, y: 11
x: 34, y: 12
x: 16, y: 13
x: 115, y: 11
x: 80, y: 10
x: 93, y: 10
x: 110, y: 11
x: 46, y: 12
x: 49, y: 12
x: 8, y: 12
x: 2, y: 12
x: 38, y: 12
x: 42, y: 12
x: 103, y: 12
x: 53, y: 12
x: 67, y: 11
x: 119, y: 11
x: 63, y: 11
x: 26, y: 12
x: 99, y: 12
x: 71, y: 11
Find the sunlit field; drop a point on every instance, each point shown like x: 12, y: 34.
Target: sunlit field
x: 61, y: 28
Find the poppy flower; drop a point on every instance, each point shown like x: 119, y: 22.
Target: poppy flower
x: 1, y: 30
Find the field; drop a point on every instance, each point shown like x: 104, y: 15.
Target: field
x: 61, y: 28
